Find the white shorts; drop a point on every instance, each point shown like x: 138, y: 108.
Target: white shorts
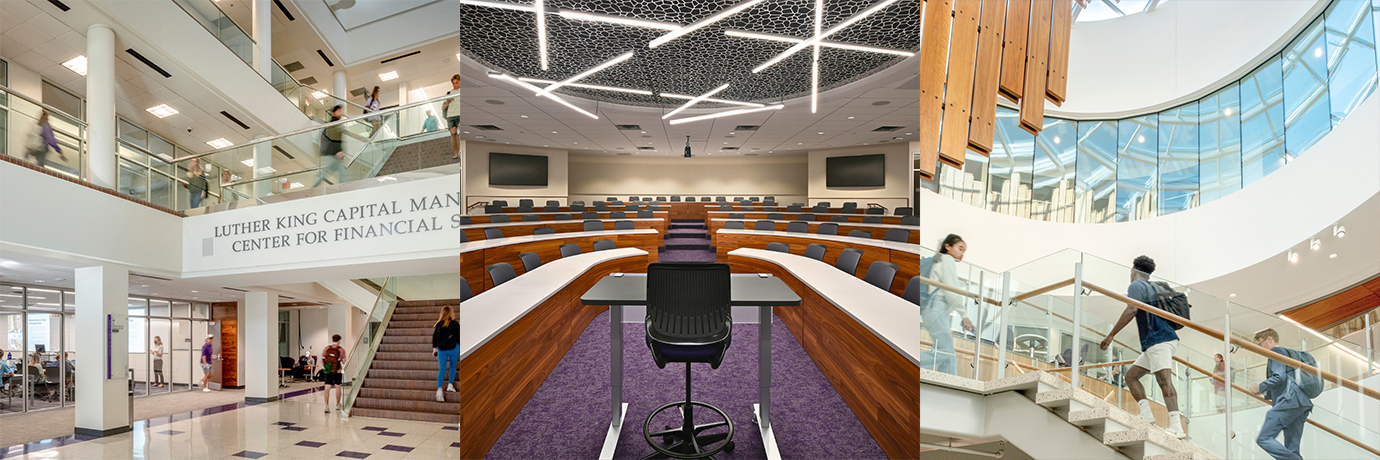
x: 1159, y: 357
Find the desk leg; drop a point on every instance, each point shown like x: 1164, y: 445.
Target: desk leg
x: 763, y: 406
x: 619, y: 408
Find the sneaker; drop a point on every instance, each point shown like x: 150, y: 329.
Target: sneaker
x: 450, y: 387
x: 1178, y: 433
x: 328, y: 409
x: 440, y: 397
x: 205, y: 390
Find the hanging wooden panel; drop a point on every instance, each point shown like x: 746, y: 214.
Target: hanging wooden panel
x: 1056, y: 87
x: 1014, y: 54
x: 934, y: 49
x: 986, y: 78
x: 1036, y: 67
x: 958, y: 93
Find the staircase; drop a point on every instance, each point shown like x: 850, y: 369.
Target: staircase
x: 687, y: 240
x: 424, y: 154
x: 401, y: 381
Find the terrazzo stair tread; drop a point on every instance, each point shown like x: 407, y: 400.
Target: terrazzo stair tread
x: 407, y: 395
x: 405, y: 356
x: 1026, y: 382
x: 430, y: 366
x: 1060, y: 398
x: 400, y: 384
x: 1099, y: 416
x: 1156, y: 436
x: 404, y: 415
x: 402, y: 374
x: 409, y: 405
x: 406, y: 348
x: 1182, y: 456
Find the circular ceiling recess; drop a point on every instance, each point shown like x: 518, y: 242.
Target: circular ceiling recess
x: 505, y: 40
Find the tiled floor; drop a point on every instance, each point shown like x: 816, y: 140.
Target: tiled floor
x: 295, y: 428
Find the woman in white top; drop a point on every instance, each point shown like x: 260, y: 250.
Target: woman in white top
x: 157, y: 353
x: 936, y: 315
x: 372, y: 104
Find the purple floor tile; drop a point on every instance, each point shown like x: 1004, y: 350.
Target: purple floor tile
x: 312, y: 444
x: 249, y: 454
x: 392, y: 434
x: 294, y: 428
x: 284, y: 423
x: 451, y: 428
x: 455, y: 444
x: 374, y: 428
x: 350, y: 454
x: 398, y: 448
x: 170, y: 432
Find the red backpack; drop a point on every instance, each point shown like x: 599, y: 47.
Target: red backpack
x: 331, y: 358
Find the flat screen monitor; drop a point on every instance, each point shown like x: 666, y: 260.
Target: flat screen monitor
x: 512, y: 169
x: 40, y: 348
x: 855, y: 171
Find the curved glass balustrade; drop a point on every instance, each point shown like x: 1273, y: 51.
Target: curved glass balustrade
x: 1097, y: 171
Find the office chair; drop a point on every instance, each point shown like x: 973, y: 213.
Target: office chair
x: 860, y: 234
x: 525, y: 203
x: 848, y: 260
x: 604, y: 245
x: 633, y: 198
x: 820, y: 209
x: 544, y: 231
x: 793, y: 208
x: 734, y: 225
x: 718, y: 198
x: 618, y: 215
x: 744, y: 203
x: 463, y: 238
x: 769, y: 198
x: 737, y: 198
x: 623, y: 225
x: 872, y: 219
x: 589, y: 215
x: 500, y: 273
x: 574, y: 208
x: 838, y: 219
x: 798, y: 227
x: 899, y: 235
x: 779, y: 247
x: 601, y: 207
x: 881, y: 274
x: 551, y: 208
x: 827, y: 228
x: 530, y: 260
x: 910, y: 221
x: 765, y: 225
x: 570, y: 249
x: 522, y: 209
x: 661, y: 198
x: 675, y: 198
x: 617, y: 203
x: 808, y: 217
x: 769, y: 203
x: 577, y: 202
x: 688, y: 321
x: 690, y: 199
x: 493, y: 233
x: 610, y: 199
x: 631, y: 207
x: 776, y: 216
x: 593, y: 225
x: 876, y: 210
x: 725, y: 207
x: 815, y: 251
x: 823, y: 203
x: 704, y: 199
x: 501, y: 218
x: 653, y: 208
x: 465, y: 220
x: 912, y: 292
x: 500, y: 203
x: 904, y: 211
x: 465, y: 292
x: 736, y: 215
x: 849, y: 207
x: 754, y: 199
x: 492, y: 209
x: 531, y: 218
x: 555, y: 203
x: 644, y: 214
x: 563, y: 217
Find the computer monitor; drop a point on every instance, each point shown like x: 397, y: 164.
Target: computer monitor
x: 40, y: 348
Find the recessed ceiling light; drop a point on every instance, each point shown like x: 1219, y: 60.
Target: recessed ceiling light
x: 318, y: 94
x: 1338, y: 230
x: 731, y: 132
x: 799, y: 143
x: 193, y: 291
x: 388, y: 76
x: 219, y: 143
x: 1315, y: 244
x: 644, y: 132
x: 1233, y: 296
x: 580, y: 16
x: 908, y: 134
x: 467, y: 132
x: 850, y: 118
x: 77, y: 64
x: 1227, y: 111
x: 38, y: 281
x: 1293, y: 257
x: 161, y: 111
x: 553, y: 132
x: 1332, y: 256
x: 523, y: 116
x: 1317, y: 52
x: 703, y: 22
x: 1141, y: 139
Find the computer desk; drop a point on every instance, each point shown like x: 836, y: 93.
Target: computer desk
x: 748, y: 289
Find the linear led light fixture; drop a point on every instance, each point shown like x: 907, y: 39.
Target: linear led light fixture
x: 826, y: 44
x: 820, y: 37
x: 528, y: 86
x: 1330, y: 341
x: 598, y: 87
x: 725, y: 114
x: 540, y: 8
x: 814, y: 68
x: 499, y: 5
x: 662, y: 40
x: 695, y: 100
x: 579, y: 76
x: 582, y: 16
x: 710, y: 99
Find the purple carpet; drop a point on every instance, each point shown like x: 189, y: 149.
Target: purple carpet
x: 569, y: 415
x: 687, y: 255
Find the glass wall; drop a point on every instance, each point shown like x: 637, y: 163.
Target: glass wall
x: 147, y: 172
x: 1097, y: 171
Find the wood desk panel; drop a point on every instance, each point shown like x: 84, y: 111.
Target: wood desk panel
x: 879, y: 384
x: 908, y: 266
x: 877, y: 233
x: 754, y: 215
x: 498, y: 379
x: 473, y: 263
x: 588, y: 207
x: 562, y: 226
x: 729, y: 242
x: 484, y: 219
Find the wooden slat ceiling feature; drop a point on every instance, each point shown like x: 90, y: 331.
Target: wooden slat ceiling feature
x: 1338, y: 307
x: 973, y: 50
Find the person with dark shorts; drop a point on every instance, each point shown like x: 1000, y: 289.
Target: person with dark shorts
x: 206, y: 363
x: 452, y: 112
x: 333, y: 358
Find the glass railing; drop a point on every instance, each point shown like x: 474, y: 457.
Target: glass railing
x: 20, y: 121
x: 361, y: 354
x: 1148, y: 165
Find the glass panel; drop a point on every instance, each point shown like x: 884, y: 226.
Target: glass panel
x: 1009, y: 174
x: 161, y: 189
x: 1136, y: 163
x: 133, y: 180
x: 133, y: 134
x: 1219, y: 144
x: 40, y: 299
x: 194, y: 342
x: 1052, y: 191
x: 966, y: 185
x: 1178, y: 162
x: 1262, y: 122
x: 134, y: 156
x: 181, y: 310
x: 69, y: 342
x: 12, y: 344
x: 1350, y: 55
x: 179, y: 365
x: 12, y: 297
x: 69, y: 301
x: 63, y: 100
x: 158, y: 308
x: 164, y: 150
x: 1306, y: 107
x: 201, y: 310
x: 140, y: 362
x: 44, y: 363
x: 1096, y: 178
x: 138, y: 307
x: 159, y: 331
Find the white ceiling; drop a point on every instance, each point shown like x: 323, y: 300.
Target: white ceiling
x: 789, y: 131
x: 35, y: 274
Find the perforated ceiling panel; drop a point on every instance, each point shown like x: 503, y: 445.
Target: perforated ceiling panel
x: 506, y: 41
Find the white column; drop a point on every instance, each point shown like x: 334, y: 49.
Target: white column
x: 262, y: 26
x: 100, y: 106
x: 338, y: 85
x: 260, y: 346
x: 263, y: 163
x: 102, y: 355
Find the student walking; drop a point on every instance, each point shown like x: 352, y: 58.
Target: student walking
x: 445, y: 346
x: 1157, y: 341
x: 1219, y: 387
x: 372, y: 104
x: 937, y: 315
x: 1290, y: 404
x: 332, y: 153
x: 431, y: 123
x: 196, y: 184
x: 206, y: 363
x: 40, y: 140
x: 452, y: 112
x: 333, y: 357
x: 157, y: 352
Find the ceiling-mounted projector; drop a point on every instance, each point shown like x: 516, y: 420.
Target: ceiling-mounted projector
x: 687, y: 147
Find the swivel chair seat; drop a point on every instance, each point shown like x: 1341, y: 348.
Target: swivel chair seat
x: 688, y: 321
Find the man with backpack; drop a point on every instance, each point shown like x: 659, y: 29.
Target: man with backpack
x: 1290, y: 392
x: 333, y: 359
x: 1157, y: 342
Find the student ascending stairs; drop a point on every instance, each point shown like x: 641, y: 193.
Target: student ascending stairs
x: 1157, y: 341
x: 445, y: 346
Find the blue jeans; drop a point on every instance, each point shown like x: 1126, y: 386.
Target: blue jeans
x: 195, y: 200
x: 1290, y: 421
x: 937, y: 322
x: 446, y: 375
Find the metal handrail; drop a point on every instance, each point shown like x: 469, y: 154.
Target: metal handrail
x: 317, y: 127
x: 46, y: 107
x: 357, y: 383
x: 275, y: 176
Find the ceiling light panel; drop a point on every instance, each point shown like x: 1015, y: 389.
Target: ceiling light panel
x: 534, y: 89
x: 161, y: 111
x: 219, y: 143
x: 662, y: 40
x: 591, y: 17
x: 540, y: 8
x: 582, y: 85
x: 837, y: 27
x: 726, y: 114
x: 392, y: 75
x: 77, y: 64
x: 695, y: 100
x: 586, y: 73
x: 824, y: 43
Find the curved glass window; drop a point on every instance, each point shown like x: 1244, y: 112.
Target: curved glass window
x: 1097, y: 171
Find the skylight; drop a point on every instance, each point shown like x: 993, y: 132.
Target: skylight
x: 1101, y: 10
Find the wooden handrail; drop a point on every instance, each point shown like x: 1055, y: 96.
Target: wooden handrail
x: 1326, y: 428
x: 1257, y: 349
x: 949, y: 288
x: 1093, y: 366
x: 1043, y: 290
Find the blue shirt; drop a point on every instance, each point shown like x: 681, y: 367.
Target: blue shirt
x: 1153, y: 329
x: 5, y: 368
x: 431, y: 124
x: 1279, y: 386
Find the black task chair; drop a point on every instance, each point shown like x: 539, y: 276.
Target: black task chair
x: 544, y: 231
x: 736, y: 215
x: 725, y: 207
x: 675, y: 198
x: 912, y: 292
x: 737, y: 198
x: 798, y: 227
x: 880, y: 211
x: 493, y: 233
x: 631, y: 207
x: 465, y: 220
x: 618, y: 215
x: 623, y: 225
x: 849, y: 207
x: 465, y: 292
x: 808, y: 217
x: 563, y: 217
x: 905, y: 211
x: 911, y: 221
x: 819, y: 209
x: 779, y: 247
x: 827, y: 228
x: 601, y: 207
x: 881, y: 274
x: 793, y: 208
x: 754, y: 199
x: 690, y: 199
x: 555, y: 203
x: 501, y: 218
x: 570, y: 249
x: 744, y: 203
x: 816, y: 251
x: 531, y: 218
x: 501, y: 203
x: 848, y: 260
x: 551, y: 209
x: 589, y: 215
x: 860, y: 234
x: 769, y: 198
x: 604, y: 245
x: 823, y: 203
x: 734, y: 225
x: 838, y: 219
x: 501, y: 272
x: 492, y: 209
x: 776, y: 216
x: 899, y: 235
x: 872, y: 219
x: 530, y: 260
x: 644, y: 214
x: 661, y: 198
x: 594, y: 225
x: 633, y: 198
x: 653, y: 208
x: 718, y: 198
x: 463, y: 238
x: 764, y: 225
x: 704, y: 199
x: 688, y: 321
x: 525, y: 209
x: 610, y: 199
x: 525, y: 203
x: 577, y: 208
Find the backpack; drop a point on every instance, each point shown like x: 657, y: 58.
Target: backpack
x: 1167, y: 299
x: 1311, y: 384
x: 926, y: 266
x: 331, y: 359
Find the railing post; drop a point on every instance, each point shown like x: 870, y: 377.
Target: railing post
x: 1188, y: 392
x: 1077, y: 324
x: 977, y: 328
x: 1370, y: 347
x: 1226, y: 369
x: 1001, y: 326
